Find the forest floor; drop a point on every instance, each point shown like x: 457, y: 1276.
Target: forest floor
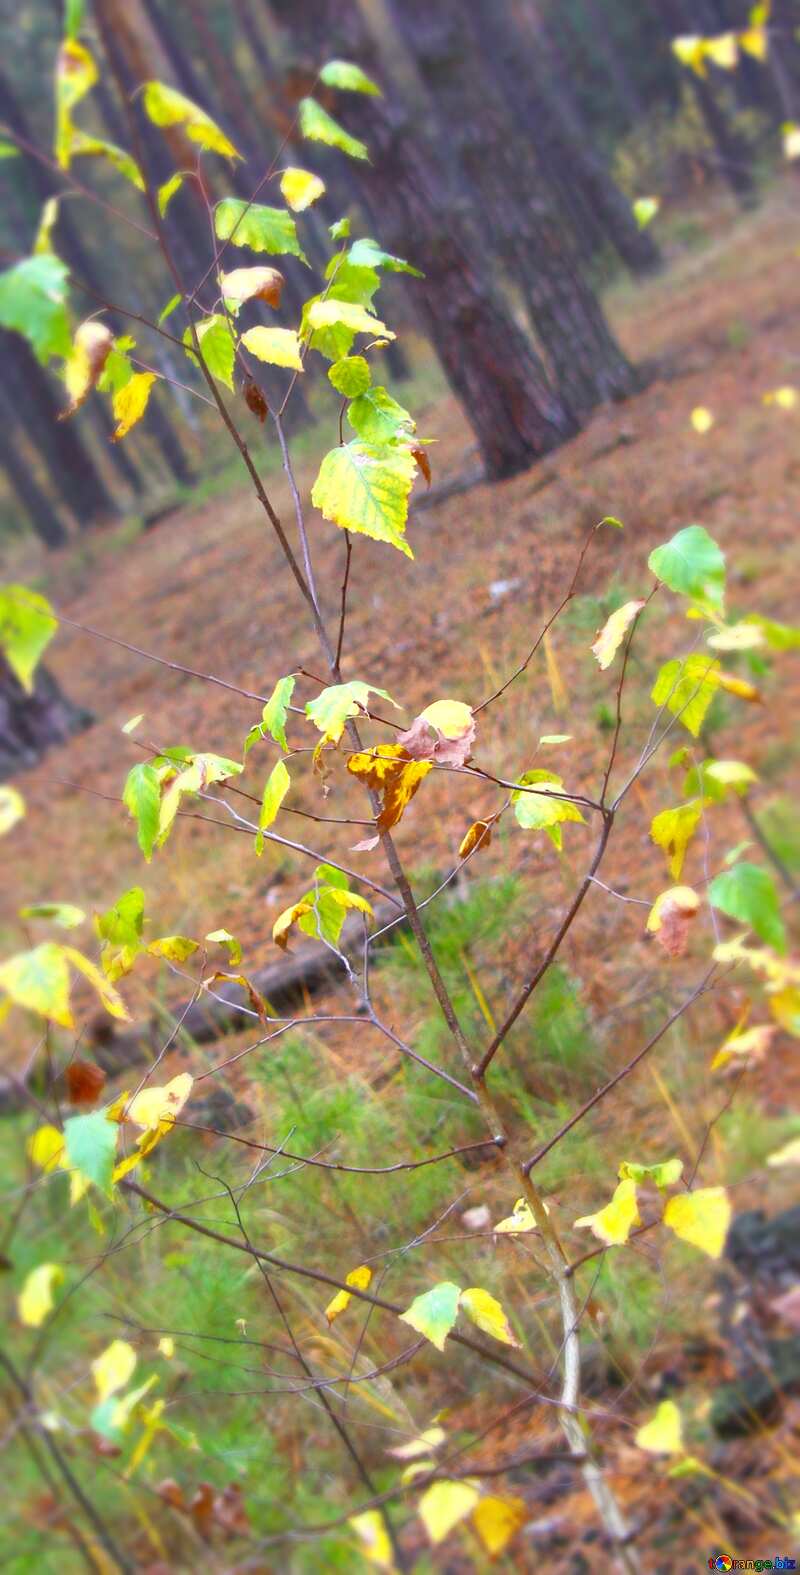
x: 207, y: 589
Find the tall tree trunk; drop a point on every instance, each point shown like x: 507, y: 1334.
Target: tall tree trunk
x: 732, y: 162
x: 504, y: 389
x: 525, y: 61
x: 14, y: 461
x: 588, y: 366
x: 70, y: 464
x: 784, y: 55
x: 30, y: 724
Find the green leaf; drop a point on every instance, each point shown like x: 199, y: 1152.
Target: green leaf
x: 232, y: 946
x: 165, y: 106
x: 692, y: 564
x: 166, y: 311
x: 123, y: 922
x: 175, y: 948
x: 8, y: 150
x: 141, y: 795
x: 332, y: 708
x: 38, y: 980
x: 262, y: 229
x: 90, y: 1145
x: 216, y: 343
x: 672, y: 831
x: 378, y: 418
x: 665, y: 1174
x: 165, y: 194
x: 82, y: 146
x: 350, y: 281
x: 316, y: 124
x: 73, y: 17
x: 349, y: 78
x: 278, y: 346
x: 63, y: 913
x: 350, y: 376
x: 27, y: 625
x: 541, y: 811
x: 277, y: 786
x: 366, y: 253
x: 276, y: 710
x: 747, y: 893
x: 714, y: 778
x: 33, y: 298
x: 365, y: 488
x: 686, y: 686
x: 434, y: 1313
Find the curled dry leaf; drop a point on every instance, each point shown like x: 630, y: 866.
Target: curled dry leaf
x: 85, y: 1082
x: 420, y: 456
x: 479, y: 835
x: 255, y: 401
x: 443, y: 733
x: 390, y: 771
x: 670, y: 917
x: 252, y: 284
x: 613, y: 632
x: 90, y: 351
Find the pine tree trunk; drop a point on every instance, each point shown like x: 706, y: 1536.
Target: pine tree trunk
x: 587, y: 365
x: 507, y: 397
x: 732, y: 163
x: 13, y: 460
x: 70, y: 464
x: 30, y: 724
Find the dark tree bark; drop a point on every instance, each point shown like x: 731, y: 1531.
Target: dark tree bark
x: 732, y: 162
x: 784, y: 55
x: 30, y: 724
x: 38, y: 507
x: 72, y: 469
x: 518, y: 221
x: 525, y: 61
x: 513, y: 408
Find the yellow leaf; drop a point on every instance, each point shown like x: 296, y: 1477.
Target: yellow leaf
x: 299, y: 188
x: 788, y: 1155
x: 737, y: 637
x: 614, y: 631
x: 39, y: 981
x: 389, y: 771
x: 754, y: 42
x: 663, y: 1434
x: 45, y: 1147
x: 165, y: 106
x: 521, y: 1220
x: 112, y: 1369
x: 452, y: 718
x: 702, y: 419
x: 701, y: 1218
x: 327, y: 311
x: 690, y: 50
x: 12, y: 808
x: 252, y: 284
x: 791, y: 141
x: 739, y: 687
x: 784, y: 1005
x: 35, y: 1300
x: 166, y: 1346
x: 370, y: 1529
x: 487, y: 1314
x: 672, y: 831
x: 285, y: 920
x: 90, y: 351
x: 130, y: 403
x: 153, y: 1106
x: 613, y: 1224
x: 111, y: 1000
x: 360, y: 1279
x: 785, y: 397
x: 444, y: 1505
x: 723, y: 50
x: 753, y: 1041
x: 497, y: 1520
x: 430, y: 1439
x: 479, y: 835
x: 278, y: 346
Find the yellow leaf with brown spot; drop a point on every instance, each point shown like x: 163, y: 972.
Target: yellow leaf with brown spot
x: 360, y: 1279
x: 251, y: 284
x: 614, y: 1223
x: 497, y: 1520
x: 389, y: 771
x: 151, y: 1107
x: 614, y: 631
x: 701, y: 1218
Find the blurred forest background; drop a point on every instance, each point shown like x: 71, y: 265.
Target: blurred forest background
x: 609, y: 241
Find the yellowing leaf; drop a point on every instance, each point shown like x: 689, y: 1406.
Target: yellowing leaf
x: 791, y: 141
x: 319, y: 126
x: 278, y: 346
x: 151, y: 1107
x: 27, y: 625
x: 434, y: 1313
x: 109, y: 997
x: 113, y: 1368
x: 299, y: 188
x: 175, y: 948
x: 723, y: 51
x: 520, y: 1221
x: 614, y: 1223
x: 784, y: 1005
x: 701, y: 1218
x: 645, y: 210
x: 90, y: 351
x: 497, y: 1520
x: 332, y: 707
x: 429, y: 1440
x: 737, y: 637
x: 690, y: 49
x: 370, y: 1528
x: 663, y: 1434
x: 753, y: 40
x: 360, y: 1278
x: 276, y: 787
x: 487, y: 1314
x: 45, y: 1147
x: 686, y: 686
x: 785, y: 398
x: 165, y: 106
x: 251, y: 284
x: 663, y: 1174
x: 130, y: 403
x: 233, y: 947
x: 540, y: 804
x: 327, y: 312
x: 740, y: 687
x: 789, y: 1154
x: 444, y: 1505
x: 35, y: 1300
x: 672, y: 831
x: 12, y: 808
x: 365, y: 487
x: 614, y: 631
x: 670, y: 917
x: 753, y: 1041
x: 289, y: 917
x: 38, y: 980
x: 166, y: 1346
x: 702, y: 419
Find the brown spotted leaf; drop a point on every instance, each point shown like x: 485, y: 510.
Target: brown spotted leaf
x: 443, y: 733
x: 390, y: 771
x: 85, y: 1082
